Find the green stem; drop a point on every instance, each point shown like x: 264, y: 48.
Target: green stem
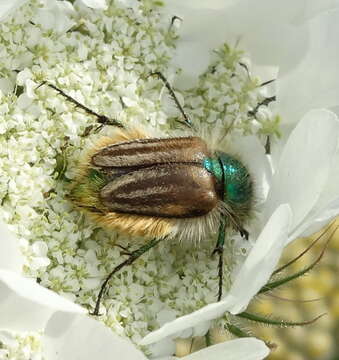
x: 208, y: 339
x: 274, y: 284
x: 236, y: 331
x: 280, y: 322
x: 283, y: 267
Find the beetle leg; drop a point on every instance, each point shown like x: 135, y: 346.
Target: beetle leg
x: 187, y: 121
x: 102, y: 119
x: 244, y: 233
x: 125, y: 250
x: 219, y: 249
x: 89, y: 128
x: 133, y: 256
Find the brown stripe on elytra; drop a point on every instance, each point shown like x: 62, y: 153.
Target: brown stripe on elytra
x: 172, y: 190
x: 148, y: 152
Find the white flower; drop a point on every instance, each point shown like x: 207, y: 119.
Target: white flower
x: 108, y: 75
x: 301, y: 180
x: 95, y: 4
x: 275, y: 34
x: 26, y: 306
x: 8, y: 7
x: 55, y: 15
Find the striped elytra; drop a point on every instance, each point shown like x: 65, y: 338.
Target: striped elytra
x: 150, y: 152
x: 162, y: 183
x: 162, y: 177
x: 174, y: 190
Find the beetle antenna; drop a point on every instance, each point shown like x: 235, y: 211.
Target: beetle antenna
x: 228, y: 129
x: 267, y: 82
x: 102, y: 119
x: 133, y: 256
x: 187, y: 121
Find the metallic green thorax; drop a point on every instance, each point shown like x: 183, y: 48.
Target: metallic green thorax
x: 237, y: 185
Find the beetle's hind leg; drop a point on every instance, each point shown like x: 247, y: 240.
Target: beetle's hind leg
x: 134, y: 255
x: 219, y: 249
x: 102, y: 119
x: 187, y: 120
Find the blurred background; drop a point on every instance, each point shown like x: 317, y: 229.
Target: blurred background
x: 320, y: 340
x: 300, y: 300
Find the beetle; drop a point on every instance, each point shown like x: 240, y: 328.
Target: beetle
x: 162, y: 188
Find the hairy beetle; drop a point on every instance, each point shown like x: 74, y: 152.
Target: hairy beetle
x: 162, y: 187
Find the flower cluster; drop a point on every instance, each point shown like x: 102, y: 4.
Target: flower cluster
x: 102, y: 55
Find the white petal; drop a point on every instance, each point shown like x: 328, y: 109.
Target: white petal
x: 8, y: 7
x: 201, y: 329
x: 95, y: 4
x: 314, y: 83
x: 55, y: 15
x: 316, y: 221
x: 6, y: 85
x: 202, y: 4
x: 254, y: 273
x: 27, y: 306
x: 326, y: 208
x: 253, y: 155
x: 275, y: 44
x: 175, y: 327
x: 331, y: 190
x: 186, y: 50
x: 238, y: 349
x: 312, y: 8
x: 262, y: 259
x: 162, y: 348
x: 267, y: 32
x: 305, y: 164
x: 10, y: 255
x: 79, y: 337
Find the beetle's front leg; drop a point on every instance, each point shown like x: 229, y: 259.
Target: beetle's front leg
x: 244, y: 233
x: 101, y: 119
x: 219, y: 249
x: 236, y: 225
